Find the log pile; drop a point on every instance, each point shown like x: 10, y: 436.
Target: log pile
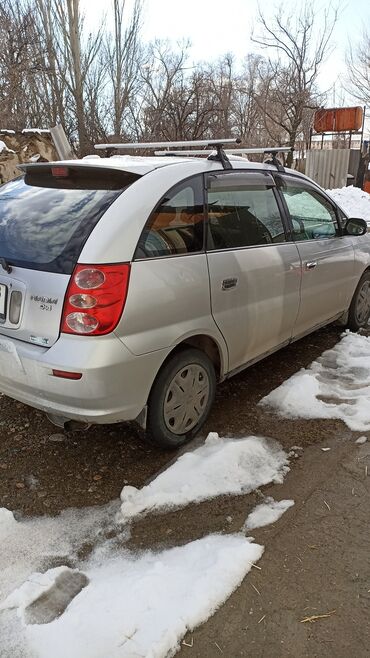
x: 21, y: 147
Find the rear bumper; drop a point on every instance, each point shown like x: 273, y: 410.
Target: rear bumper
x: 114, y: 386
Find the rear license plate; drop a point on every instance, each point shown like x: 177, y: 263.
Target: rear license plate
x: 3, y: 300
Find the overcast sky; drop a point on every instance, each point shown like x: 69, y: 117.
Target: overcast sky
x: 215, y: 27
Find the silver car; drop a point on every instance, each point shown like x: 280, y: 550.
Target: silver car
x: 130, y: 285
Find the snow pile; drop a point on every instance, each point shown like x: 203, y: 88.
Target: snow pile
x: 141, y: 606
x: 220, y: 466
x: 267, y: 512
x: 337, y: 385
x: 355, y: 202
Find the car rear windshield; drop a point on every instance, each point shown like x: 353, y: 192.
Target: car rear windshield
x: 47, y: 215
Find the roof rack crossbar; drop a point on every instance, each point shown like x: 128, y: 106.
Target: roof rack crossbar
x: 167, y: 145
x: 236, y: 151
x: 218, y: 144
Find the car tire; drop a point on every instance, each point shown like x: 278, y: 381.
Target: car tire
x: 181, y: 398
x: 359, y: 311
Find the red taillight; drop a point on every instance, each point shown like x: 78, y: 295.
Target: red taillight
x: 67, y: 375
x: 95, y: 299
x: 60, y: 172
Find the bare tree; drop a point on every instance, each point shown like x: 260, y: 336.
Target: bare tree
x: 124, y: 57
x: 163, y: 77
x: 108, y: 85
x: 76, y: 56
x: 247, y: 116
x: 53, y: 94
x: 358, y: 62
x: 184, y: 101
x: 18, y: 65
x: 299, y: 46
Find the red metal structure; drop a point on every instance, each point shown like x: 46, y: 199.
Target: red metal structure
x: 343, y: 119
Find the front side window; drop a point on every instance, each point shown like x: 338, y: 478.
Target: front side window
x: 313, y: 217
x: 242, y: 211
x: 177, y: 224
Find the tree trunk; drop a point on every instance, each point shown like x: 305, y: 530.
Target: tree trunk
x: 74, y: 35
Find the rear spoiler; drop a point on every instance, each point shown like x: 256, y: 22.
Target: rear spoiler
x: 73, y: 174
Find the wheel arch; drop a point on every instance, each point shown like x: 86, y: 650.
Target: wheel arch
x: 210, y: 347
x: 205, y: 343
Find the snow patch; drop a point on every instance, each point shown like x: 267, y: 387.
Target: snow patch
x: 36, y: 544
x: 7, y: 522
x: 115, y: 602
x: 337, y: 385
x: 35, y: 131
x: 267, y: 512
x: 354, y: 201
x: 3, y: 147
x: 220, y: 466
x: 36, y: 586
x: 142, y: 606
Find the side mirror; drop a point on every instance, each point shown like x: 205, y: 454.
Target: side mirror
x: 355, y: 226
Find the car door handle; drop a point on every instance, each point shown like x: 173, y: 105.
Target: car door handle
x: 228, y: 284
x: 310, y: 265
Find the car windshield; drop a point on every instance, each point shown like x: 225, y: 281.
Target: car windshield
x: 45, y: 219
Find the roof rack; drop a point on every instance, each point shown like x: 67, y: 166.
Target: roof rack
x: 217, y: 145
x: 272, y: 151
x: 210, y: 146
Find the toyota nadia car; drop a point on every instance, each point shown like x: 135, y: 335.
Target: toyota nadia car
x: 130, y: 285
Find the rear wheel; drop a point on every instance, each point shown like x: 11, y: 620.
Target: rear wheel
x: 359, y: 311
x: 181, y: 398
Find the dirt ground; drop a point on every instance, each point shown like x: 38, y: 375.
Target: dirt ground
x: 316, y: 559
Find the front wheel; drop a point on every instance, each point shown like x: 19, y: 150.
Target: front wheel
x: 359, y: 311
x: 181, y: 398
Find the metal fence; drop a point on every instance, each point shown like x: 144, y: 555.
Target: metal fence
x: 328, y: 168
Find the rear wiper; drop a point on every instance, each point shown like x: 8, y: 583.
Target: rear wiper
x: 5, y: 265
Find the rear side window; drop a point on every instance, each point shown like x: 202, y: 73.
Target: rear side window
x: 45, y: 220
x: 242, y: 211
x: 177, y: 224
